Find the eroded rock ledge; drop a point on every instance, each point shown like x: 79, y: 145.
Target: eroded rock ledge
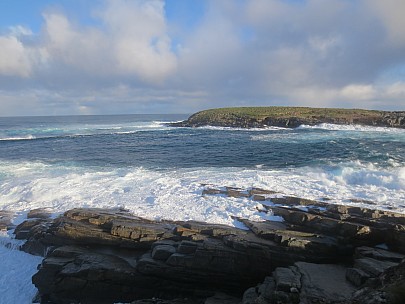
x: 320, y: 252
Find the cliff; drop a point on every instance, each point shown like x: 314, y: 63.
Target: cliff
x: 291, y: 117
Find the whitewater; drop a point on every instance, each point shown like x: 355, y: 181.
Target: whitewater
x: 139, y: 163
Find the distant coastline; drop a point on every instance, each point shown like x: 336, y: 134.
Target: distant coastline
x: 291, y: 117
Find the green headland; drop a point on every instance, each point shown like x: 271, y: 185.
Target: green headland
x: 291, y: 117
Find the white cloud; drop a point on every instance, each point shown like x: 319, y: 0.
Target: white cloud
x: 133, y: 42
x: 259, y: 52
x: 138, y: 34
x: 396, y: 91
x: 358, y: 92
x: 14, y: 59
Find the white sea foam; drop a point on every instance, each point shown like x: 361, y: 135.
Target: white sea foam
x: 84, y: 130
x: 27, y: 137
x: 266, y: 128
x: 177, y: 194
x: 360, y: 128
x: 174, y: 195
x: 16, y: 270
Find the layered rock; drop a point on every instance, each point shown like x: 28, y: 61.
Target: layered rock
x: 96, y: 248
x: 107, y: 256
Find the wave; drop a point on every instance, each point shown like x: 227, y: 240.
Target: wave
x: 176, y: 194
x: 217, y: 128
x: 359, y: 128
x: 78, y: 131
x: 28, y: 137
x: 357, y: 174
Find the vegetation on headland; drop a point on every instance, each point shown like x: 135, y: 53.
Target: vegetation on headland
x: 249, y: 117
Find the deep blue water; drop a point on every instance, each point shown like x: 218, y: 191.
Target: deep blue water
x: 144, y: 140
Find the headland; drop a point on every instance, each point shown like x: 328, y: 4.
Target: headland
x: 291, y: 117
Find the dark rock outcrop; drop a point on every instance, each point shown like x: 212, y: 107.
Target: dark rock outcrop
x: 107, y: 256
x: 97, y: 248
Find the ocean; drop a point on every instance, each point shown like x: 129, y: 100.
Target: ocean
x: 140, y: 163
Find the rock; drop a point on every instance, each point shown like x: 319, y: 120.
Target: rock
x: 290, y: 117
x: 369, y: 296
x: 296, y: 201
x: 324, y: 283
x: 159, y: 250
x: 162, y: 252
x: 187, y: 247
x: 258, y: 191
x: 237, y: 193
x: 73, y: 274
x: 196, y: 258
x: 263, y: 293
x: 356, y: 276
x: 222, y: 298
x: 105, y: 256
x: 34, y: 230
x: 40, y: 213
x: 388, y: 287
x: 250, y: 296
x: 267, y: 229
x: 286, y: 279
x: 379, y: 254
x: 373, y: 267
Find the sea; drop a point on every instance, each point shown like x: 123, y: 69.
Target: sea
x: 140, y: 163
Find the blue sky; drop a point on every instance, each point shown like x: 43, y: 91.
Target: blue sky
x: 179, y: 56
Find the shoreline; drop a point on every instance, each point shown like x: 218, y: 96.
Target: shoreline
x: 109, y: 255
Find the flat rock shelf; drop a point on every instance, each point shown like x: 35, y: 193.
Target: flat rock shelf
x: 318, y: 253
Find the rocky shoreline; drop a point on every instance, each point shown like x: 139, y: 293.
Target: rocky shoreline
x: 291, y: 117
x: 319, y: 253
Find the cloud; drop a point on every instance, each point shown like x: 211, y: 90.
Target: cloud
x: 14, y: 59
x: 133, y: 42
x: 390, y: 13
x: 131, y: 57
x: 358, y: 92
x: 140, y: 43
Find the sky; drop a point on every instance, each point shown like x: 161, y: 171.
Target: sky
x: 72, y: 57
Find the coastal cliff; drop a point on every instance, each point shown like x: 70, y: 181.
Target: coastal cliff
x: 291, y: 117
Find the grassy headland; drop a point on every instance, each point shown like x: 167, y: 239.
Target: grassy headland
x: 250, y: 117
